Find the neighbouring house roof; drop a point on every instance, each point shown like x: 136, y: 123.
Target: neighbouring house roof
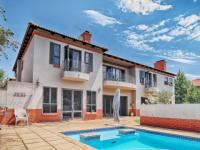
x: 196, y: 82
x: 32, y: 27
x: 138, y: 64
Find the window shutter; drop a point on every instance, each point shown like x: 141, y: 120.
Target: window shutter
x: 66, y: 57
x: 51, y: 53
x: 91, y: 62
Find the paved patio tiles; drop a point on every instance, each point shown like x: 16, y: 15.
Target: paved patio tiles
x: 29, y: 141
x: 48, y: 136
x: 37, y: 145
x: 21, y: 147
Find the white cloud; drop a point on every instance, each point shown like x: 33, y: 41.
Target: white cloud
x: 143, y: 7
x: 161, y: 38
x: 180, y: 60
x: 192, y: 76
x: 187, y: 26
x: 142, y: 27
x: 139, y: 42
x: 180, y: 56
x: 143, y: 38
x: 188, y: 20
x: 157, y: 26
x: 177, y: 31
x: 149, y: 33
x: 135, y: 40
x: 158, y: 32
x: 101, y: 19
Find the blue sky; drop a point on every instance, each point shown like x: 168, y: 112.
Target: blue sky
x: 140, y: 30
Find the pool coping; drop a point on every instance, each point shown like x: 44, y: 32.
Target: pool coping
x: 170, y: 135
x: 137, y: 129
x: 93, y: 129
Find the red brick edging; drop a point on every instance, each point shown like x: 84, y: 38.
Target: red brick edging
x: 173, y: 123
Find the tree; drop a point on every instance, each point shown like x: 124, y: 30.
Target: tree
x: 193, y: 94
x: 2, y: 78
x: 185, y: 91
x: 164, y: 97
x: 6, y: 37
x: 181, y: 86
x: 2, y: 75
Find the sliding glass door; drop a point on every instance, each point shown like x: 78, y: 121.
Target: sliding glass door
x: 73, y: 59
x: 72, y: 104
x: 108, y: 106
x: 114, y: 74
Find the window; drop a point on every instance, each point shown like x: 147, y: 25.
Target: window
x: 118, y: 74
x: 166, y: 81
x: 142, y: 77
x: 154, y: 80
x: 88, y: 62
x: 148, y: 79
x: 113, y: 74
x: 54, y: 54
x: 49, y: 100
x: 145, y: 100
x: 170, y: 81
x: 91, y: 101
x: 72, y: 59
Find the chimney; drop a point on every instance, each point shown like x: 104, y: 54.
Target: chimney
x: 160, y: 65
x: 86, y: 36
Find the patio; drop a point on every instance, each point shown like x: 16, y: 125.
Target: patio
x: 46, y: 136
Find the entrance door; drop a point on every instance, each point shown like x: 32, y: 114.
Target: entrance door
x: 123, y: 106
x: 108, y: 104
x: 72, y: 104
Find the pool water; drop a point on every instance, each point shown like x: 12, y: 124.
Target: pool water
x: 140, y: 140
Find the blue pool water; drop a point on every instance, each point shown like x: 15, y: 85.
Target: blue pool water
x: 140, y: 140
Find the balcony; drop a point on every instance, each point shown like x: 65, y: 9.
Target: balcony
x: 151, y: 89
x: 75, y: 71
x: 127, y: 83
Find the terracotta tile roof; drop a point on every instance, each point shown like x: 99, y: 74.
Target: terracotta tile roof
x: 196, y: 82
x: 138, y: 64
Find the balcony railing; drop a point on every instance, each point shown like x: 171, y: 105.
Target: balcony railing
x: 152, y: 88
x: 150, y: 85
x: 127, y: 78
x: 76, y: 66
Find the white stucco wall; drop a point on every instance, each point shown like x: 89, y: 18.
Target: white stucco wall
x: 50, y: 76
x: 18, y: 94
x: 27, y: 71
x: 160, y: 84
x: 181, y: 111
x: 3, y: 97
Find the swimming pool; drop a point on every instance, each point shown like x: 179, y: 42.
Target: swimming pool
x: 140, y: 140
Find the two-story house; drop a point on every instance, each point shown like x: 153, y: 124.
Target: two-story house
x: 73, y: 78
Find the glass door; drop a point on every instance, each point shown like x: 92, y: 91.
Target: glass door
x: 72, y: 104
x: 67, y: 104
x: 77, y: 104
x: 107, y: 106
x: 123, y: 106
x: 75, y: 60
